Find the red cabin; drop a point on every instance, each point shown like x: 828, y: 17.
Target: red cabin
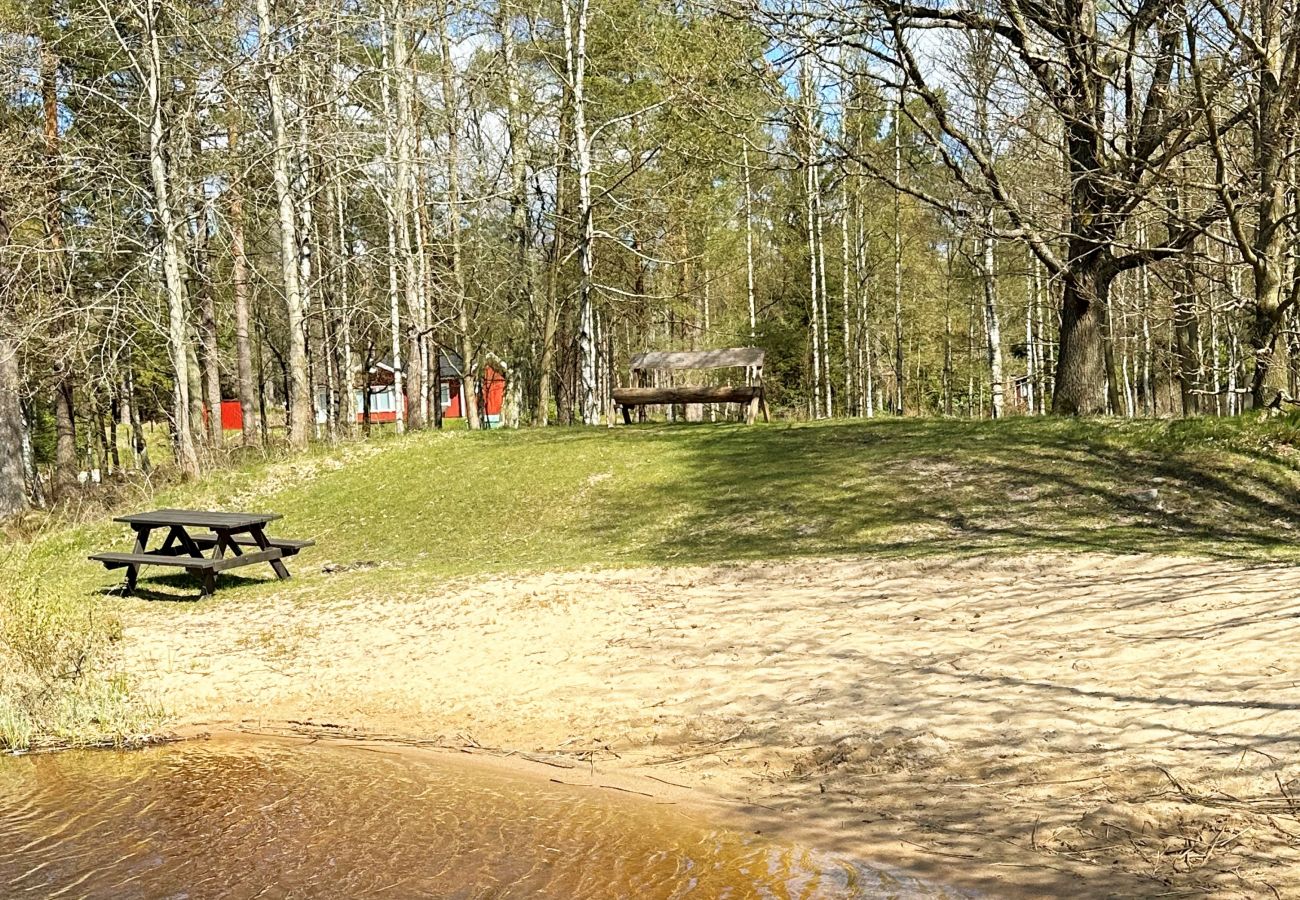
x: 383, y: 405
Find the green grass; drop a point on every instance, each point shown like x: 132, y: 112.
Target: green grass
x: 462, y: 504
x: 399, y: 515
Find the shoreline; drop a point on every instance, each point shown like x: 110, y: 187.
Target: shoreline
x: 1010, y: 727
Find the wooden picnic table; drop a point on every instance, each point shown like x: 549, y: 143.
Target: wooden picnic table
x: 243, y: 535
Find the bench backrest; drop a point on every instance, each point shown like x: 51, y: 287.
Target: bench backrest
x: 661, y: 360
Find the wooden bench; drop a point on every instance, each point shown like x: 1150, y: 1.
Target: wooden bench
x: 750, y: 396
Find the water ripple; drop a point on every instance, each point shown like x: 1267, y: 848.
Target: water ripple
x: 274, y: 819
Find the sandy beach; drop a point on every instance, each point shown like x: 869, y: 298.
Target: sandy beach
x: 1050, y: 725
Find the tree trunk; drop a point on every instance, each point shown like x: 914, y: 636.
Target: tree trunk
x: 300, y: 401
x: 465, y: 340
x: 394, y: 286
x: 1080, y: 364
x: 404, y: 139
x: 992, y: 325
x: 576, y: 45
x: 827, y: 404
x: 346, y: 370
x: 13, y: 430
x: 240, y: 289
x: 208, y: 328
x: 13, y: 479
x: 66, y: 466
x: 516, y: 132
x: 187, y: 459
x: 898, y: 258
x: 550, y: 314
x: 749, y: 246
x: 810, y: 226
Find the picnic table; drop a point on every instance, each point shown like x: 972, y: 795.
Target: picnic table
x: 243, y: 535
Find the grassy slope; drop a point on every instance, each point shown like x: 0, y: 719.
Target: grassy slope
x: 463, y: 504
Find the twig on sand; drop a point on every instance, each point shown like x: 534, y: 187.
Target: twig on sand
x: 608, y: 787
x: 940, y: 852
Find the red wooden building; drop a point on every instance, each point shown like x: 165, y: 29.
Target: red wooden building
x: 383, y: 395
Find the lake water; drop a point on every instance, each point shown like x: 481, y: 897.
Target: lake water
x: 276, y: 818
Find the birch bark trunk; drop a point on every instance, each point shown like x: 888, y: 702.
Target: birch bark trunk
x: 187, y: 459
x: 394, y: 288
x: 575, y: 33
x: 300, y: 402
x: 464, y: 336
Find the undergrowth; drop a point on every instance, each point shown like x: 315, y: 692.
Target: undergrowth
x: 57, y: 683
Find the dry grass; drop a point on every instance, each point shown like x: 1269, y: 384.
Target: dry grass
x: 58, y: 682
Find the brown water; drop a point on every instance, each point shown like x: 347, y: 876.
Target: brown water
x: 243, y: 818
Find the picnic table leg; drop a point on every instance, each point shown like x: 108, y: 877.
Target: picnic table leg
x: 225, y: 541
x: 183, y: 536
x: 259, y: 535
x: 142, y: 533
x: 178, y: 533
x: 627, y: 415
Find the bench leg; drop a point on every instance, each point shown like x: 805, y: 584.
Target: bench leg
x: 751, y: 413
x: 281, y: 570
x: 132, y: 573
x: 627, y: 415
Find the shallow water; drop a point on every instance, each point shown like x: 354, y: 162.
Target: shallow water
x: 243, y: 818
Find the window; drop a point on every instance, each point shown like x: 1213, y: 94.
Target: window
x: 446, y: 395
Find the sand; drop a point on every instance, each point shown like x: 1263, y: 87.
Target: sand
x: 1050, y: 725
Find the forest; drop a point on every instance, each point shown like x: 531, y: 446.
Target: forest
x: 970, y: 208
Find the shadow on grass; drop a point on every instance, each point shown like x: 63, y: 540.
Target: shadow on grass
x: 915, y: 487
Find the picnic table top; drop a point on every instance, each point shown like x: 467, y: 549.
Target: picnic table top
x: 198, y: 518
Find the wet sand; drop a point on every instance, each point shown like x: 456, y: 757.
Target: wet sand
x: 1051, y: 725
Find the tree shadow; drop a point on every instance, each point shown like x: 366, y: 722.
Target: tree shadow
x: 914, y: 487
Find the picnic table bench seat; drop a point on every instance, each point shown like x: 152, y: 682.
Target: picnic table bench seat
x: 121, y: 560
x: 290, y: 546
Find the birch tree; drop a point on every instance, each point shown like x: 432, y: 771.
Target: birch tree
x: 270, y: 47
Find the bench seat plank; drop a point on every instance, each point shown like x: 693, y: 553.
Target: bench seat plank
x: 290, y: 546
x: 121, y: 560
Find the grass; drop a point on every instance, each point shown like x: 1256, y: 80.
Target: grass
x: 465, y: 504
x: 399, y: 514
x: 55, y: 686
